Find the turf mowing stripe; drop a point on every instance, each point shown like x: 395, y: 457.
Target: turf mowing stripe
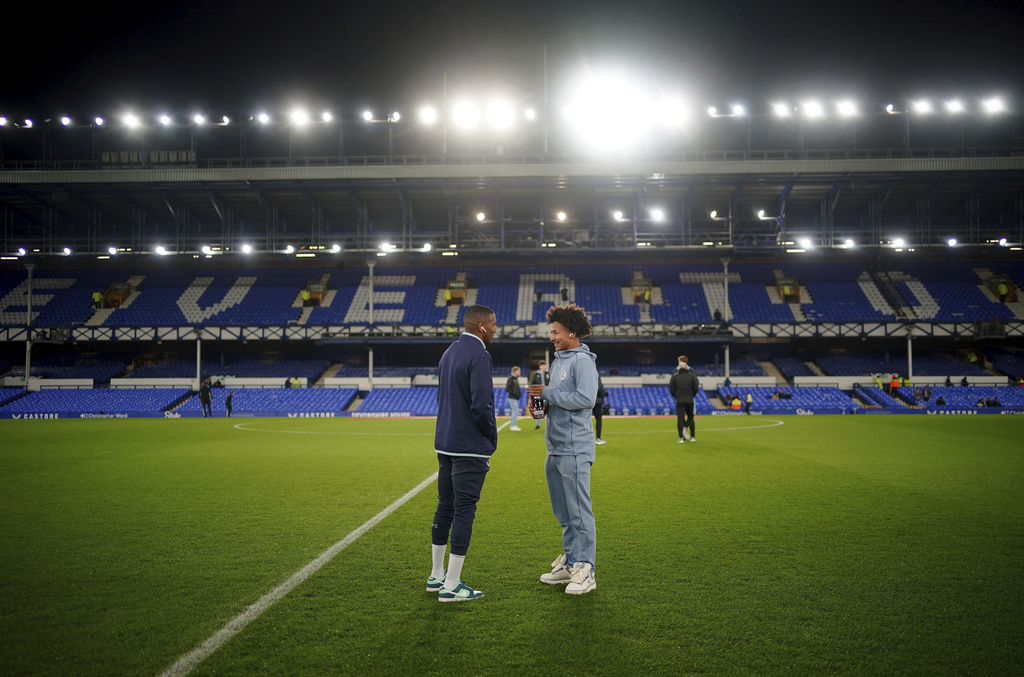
x: 189, y: 661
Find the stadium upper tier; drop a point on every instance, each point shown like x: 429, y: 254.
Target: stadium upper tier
x: 679, y: 294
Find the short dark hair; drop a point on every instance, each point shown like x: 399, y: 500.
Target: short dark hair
x: 474, y: 316
x: 572, y: 317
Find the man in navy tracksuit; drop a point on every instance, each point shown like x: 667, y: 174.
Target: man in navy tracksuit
x: 465, y: 437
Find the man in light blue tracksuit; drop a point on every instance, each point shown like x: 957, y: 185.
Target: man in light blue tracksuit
x: 571, y: 449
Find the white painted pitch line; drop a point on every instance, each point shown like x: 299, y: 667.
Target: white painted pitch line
x: 189, y: 661
x: 773, y: 424
x: 242, y: 426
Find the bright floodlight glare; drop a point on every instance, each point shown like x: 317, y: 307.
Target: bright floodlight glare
x: 326, y: 116
x: 993, y: 105
x: 28, y: 122
x: 898, y: 243
x: 65, y: 121
x: 299, y: 117
x: 955, y: 106
x: 427, y: 247
x: 99, y: 122
x: 499, y: 114
x: 760, y: 213
x: 657, y: 215
x: 466, y: 115
x: 263, y: 118
x: 428, y: 115
x: 165, y: 120
x: 395, y: 117
x: 781, y: 109
x: 889, y: 108
x: 3, y: 121
x: 922, y: 106
x: 160, y: 250
x: 21, y: 251
x: 67, y: 251
x: 561, y: 216
x: 846, y: 108
x: 480, y: 216
x: 672, y: 111
x: 617, y: 216
x: 813, y: 109
x: 530, y: 114
x: 608, y: 113
x: 738, y: 110
x: 247, y: 248
x: 336, y: 248
x: 713, y: 214
x: 1002, y: 242
x: 804, y: 242
x: 367, y: 115
x: 130, y: 120
x: 206, y: 249
x: 849, y: 244
x: 112, y: 250
x: 199, y: 119
x: 225, y: 120
x: 289, y: 249
x: 951, y: 242
x: 712, y: 111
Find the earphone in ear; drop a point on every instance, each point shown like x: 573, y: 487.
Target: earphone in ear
x: 572, y: 335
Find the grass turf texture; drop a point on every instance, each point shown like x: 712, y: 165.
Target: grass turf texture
x: 876, y: 545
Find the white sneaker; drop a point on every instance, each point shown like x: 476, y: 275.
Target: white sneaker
x: 582, y: 579
x: 686, y: 434
x: 560, y: 573
x: 515, y: 428
x: 681, y: 440
x: 693, y: 439
x: 600, y: 441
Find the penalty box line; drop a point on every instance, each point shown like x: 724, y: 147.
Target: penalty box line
x: 189, y: 661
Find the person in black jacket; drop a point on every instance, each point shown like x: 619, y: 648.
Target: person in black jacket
x: 514, y: 393
x: 205, y: 398
x: 227, y: 402
x: 465, y: 436
x: 599, y: 411
x: 541, y: 377
x: 684, y: 386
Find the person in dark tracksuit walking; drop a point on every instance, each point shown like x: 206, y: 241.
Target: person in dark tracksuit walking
x: 684, y: 386
x: 464, y: 438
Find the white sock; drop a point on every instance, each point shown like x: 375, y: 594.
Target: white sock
x: 437, y: 557
x: 454, y: 575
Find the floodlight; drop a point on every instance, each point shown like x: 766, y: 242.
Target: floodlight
x: 160, y: 250
x: 898, y: 243
x: 994, y: 105
x: 263, y: 118
x: 672, y: 111
x: 846, y: 109
x: 225, y: 120
x: 951, y: 242
x: 394, y: 117
x: 28, y: 123
x: 336, y: 248
x: 560, y: 216
x: 326, y: 116
x: 427, y: 247
x: 922, y: 106
x: 367, y: 115
x: 99, y: 122
x: 499, y: 114
x: 617, y: 216
x: 955, y: 106
x: 1002, y: 242
x: 206, y: 249
x: 199, y: 119
x: 65, y: 121
x: 299, y: 117
x: 480, y: 216
x: 3, y: 121
x: 889, y: 108
x: 289, y: 249
x: 21, y: 251
x: 813, y: 109
x: 130, y: 120
x: 609, y: 113
x: 738, y: 111
x: 165, y: 120
x: 428, y: 115
x: 849, y: 244
x: 712, y: 111
x: 804, y: 242
x: 760, y: 214
x: 530, y: 114
x: 657, y: 214
x: 67, y: 251
x: 112, y: 250
x: 466, y: 115
x: 713, y: 214
x: 781, y: 109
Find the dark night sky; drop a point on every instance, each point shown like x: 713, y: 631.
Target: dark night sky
x: 93, y: 58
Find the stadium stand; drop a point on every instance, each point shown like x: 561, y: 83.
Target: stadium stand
x: 89, y: 401
x: 804, y: 398
x: 416, y: 401
x: 264, y: 401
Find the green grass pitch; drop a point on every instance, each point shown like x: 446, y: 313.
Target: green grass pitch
x: 795, y: 545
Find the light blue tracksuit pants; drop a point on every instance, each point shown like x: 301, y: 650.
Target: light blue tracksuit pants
x: 514, y: 406
x: 569, y: 487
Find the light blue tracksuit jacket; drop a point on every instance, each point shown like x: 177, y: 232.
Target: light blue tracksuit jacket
x: 571, y: 396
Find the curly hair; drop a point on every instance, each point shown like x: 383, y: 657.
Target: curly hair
x: 572, y: 317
